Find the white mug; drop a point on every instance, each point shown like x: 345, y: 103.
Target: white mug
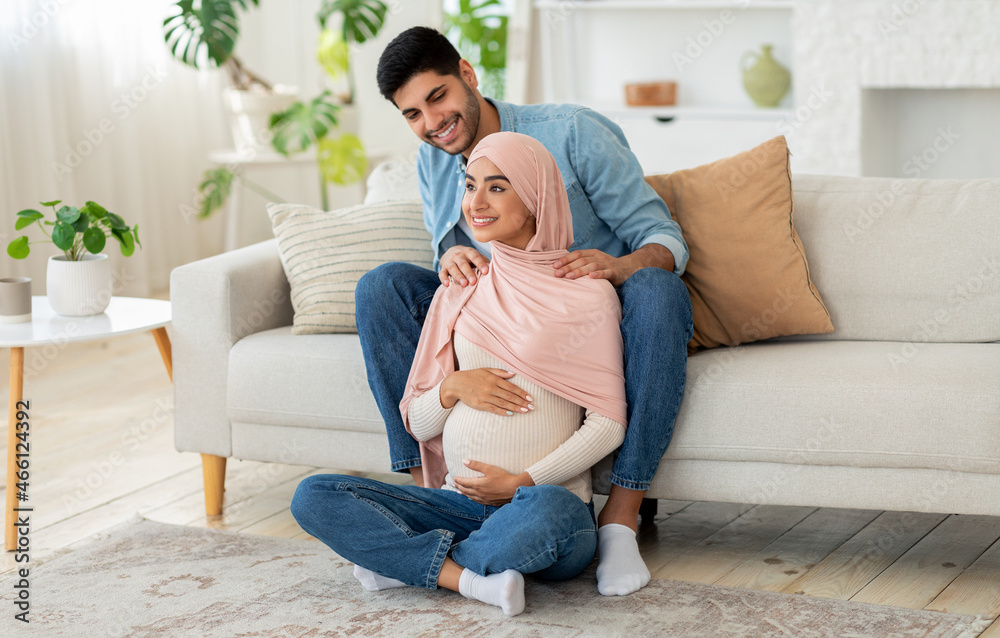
x: 15, y: 300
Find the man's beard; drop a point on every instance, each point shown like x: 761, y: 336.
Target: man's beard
x: 470, y: 114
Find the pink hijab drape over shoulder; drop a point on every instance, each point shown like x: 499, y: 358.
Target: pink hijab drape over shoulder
x: 562, y: 334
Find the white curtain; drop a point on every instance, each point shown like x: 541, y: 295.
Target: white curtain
x: 92, y: 107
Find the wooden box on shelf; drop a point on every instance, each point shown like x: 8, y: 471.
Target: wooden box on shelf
x: 651, y: 93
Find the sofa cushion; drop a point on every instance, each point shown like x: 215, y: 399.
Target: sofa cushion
x: 325, y: 253
x: 747, y: 274
x: 904, y: 259
x: 316, y: 381
x: 392, y: 180
x: 849, y: 403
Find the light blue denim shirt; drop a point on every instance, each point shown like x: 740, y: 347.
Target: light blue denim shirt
x: 614, y: 209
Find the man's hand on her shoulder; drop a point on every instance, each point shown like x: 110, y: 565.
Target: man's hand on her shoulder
x: 595, y: 264
x: 599, y: 265
x: 461, y: 263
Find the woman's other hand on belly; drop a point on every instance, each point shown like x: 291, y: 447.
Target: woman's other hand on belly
x: 496, y: 486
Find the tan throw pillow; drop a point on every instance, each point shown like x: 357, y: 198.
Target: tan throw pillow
x: 747, y: 273
x: 325, y: 253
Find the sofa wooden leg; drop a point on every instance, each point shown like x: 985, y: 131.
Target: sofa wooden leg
x: 213, y: 469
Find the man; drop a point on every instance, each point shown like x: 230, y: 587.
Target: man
x: 622, y: 232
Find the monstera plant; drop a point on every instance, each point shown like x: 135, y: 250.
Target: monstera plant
x: 314, y: 123
x: 341, y: 158
x: 203, y: 34
x: 479, y: 31
x: 360, y: 21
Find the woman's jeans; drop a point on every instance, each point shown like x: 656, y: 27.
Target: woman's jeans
x: 392, y: 302
x: 405, y: 532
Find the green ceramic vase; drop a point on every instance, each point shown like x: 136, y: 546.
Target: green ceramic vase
x: 766, y: 81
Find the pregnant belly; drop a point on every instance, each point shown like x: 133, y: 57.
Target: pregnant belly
x: 513, y: 443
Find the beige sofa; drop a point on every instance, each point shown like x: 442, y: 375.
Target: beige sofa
x: 898, y: 408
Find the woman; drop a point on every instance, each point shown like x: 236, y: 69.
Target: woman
x: 514, y: 465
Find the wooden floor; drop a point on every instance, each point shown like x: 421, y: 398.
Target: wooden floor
x: 102, y: 451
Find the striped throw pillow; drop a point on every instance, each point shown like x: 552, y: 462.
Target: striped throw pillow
x: 325, y: 253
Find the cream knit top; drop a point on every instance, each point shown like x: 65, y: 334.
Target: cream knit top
x: 556, y: 443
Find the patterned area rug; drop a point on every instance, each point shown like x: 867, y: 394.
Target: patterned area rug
x: 147, y: 579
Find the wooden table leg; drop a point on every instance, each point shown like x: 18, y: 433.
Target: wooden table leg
x: 163, y: 343
x: 16, y: 392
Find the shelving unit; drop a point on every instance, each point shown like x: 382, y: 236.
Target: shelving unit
x: 589, y: 49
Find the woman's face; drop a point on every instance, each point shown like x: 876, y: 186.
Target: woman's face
x: 493, y: 209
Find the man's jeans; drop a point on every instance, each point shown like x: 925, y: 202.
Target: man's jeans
x: 392, y: 302
x: 405, y: 532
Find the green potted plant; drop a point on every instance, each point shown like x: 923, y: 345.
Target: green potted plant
x: 359, y: 21
x: 203, y: 35
x: 78, y: 282
x: 341, y: 158
x: 479, y: 32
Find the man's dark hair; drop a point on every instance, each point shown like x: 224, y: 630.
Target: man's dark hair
x: 414, y: 51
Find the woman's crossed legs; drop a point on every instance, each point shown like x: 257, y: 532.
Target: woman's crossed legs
x: 426, y: 537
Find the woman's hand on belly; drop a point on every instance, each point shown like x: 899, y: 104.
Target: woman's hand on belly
x: 496, y: 486
x: 485, y: 389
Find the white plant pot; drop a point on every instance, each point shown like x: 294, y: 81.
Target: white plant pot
x: 251, y: 112
x: 79, y: 288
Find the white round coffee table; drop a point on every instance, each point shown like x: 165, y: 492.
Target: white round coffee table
x: 46, y: 329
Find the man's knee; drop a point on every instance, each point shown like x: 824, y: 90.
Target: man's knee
x: 392, y: 289
x: 374, y: 284
x: 658, y: 291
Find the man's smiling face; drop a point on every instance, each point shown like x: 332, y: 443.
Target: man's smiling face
x: 443, y: 110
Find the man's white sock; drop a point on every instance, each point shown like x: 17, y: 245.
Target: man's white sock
x: 504, y: 590
x: 621, y: 569
x: 375, y: 582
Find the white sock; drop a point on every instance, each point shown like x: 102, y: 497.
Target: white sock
x: 505, y: 590
x: 375, y: 582
x: 621, y: 570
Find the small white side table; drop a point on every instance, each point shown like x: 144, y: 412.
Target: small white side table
x: 124, y: 315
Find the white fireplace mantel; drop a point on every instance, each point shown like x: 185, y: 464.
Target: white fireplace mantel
x: 842, y: 47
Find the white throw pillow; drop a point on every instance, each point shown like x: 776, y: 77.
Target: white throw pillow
x: 392, y: 180
x: 325, y: 253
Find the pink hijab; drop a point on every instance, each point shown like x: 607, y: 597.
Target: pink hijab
x: 562, y: 334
